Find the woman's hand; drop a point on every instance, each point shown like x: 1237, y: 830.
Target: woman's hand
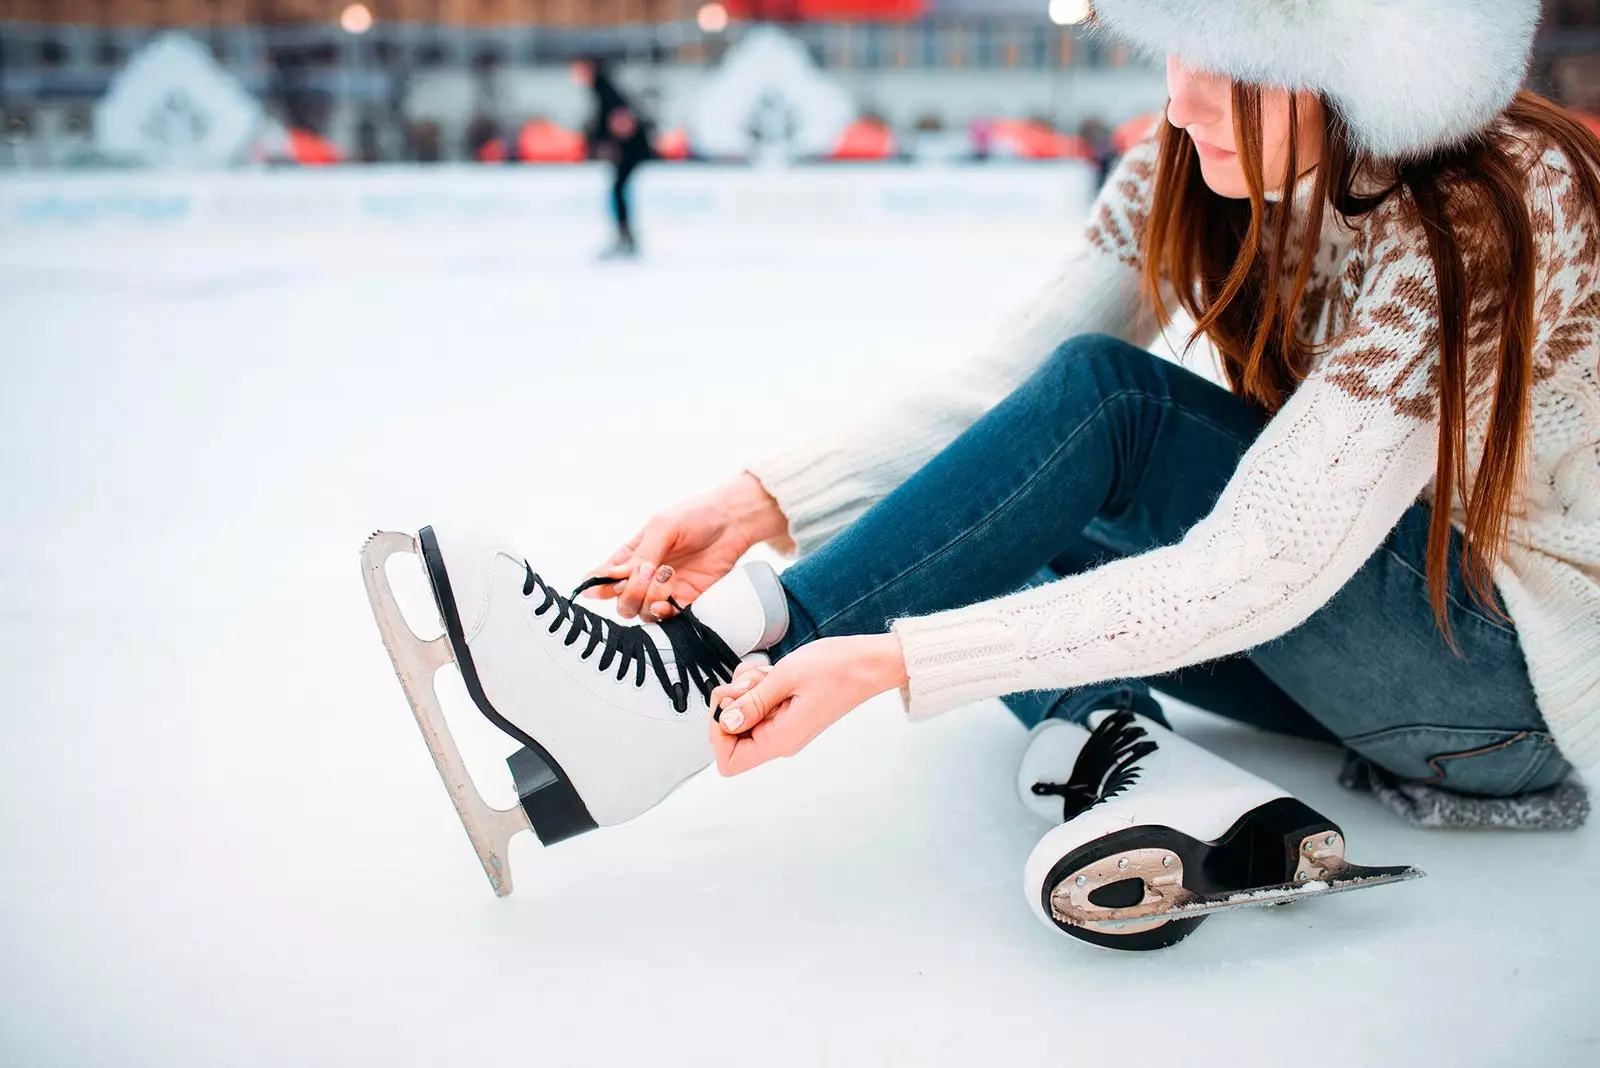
x: 775, y: 711
x: 687, y: 547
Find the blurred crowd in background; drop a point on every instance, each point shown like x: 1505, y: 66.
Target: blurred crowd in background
x: 103, y: 83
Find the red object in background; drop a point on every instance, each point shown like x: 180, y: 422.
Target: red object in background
x: 542, y: 141
x: 1029, y: 140
x: 864, y: 140
x: 1591, y: 121
x: 674, y: 144
x: 492, y: 151
x: 845, y: 10
x: 1132, y: 132
x: 1074, y: 147
x: 310, y: 150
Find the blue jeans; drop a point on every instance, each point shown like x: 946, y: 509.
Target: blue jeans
x: 1108, y: 450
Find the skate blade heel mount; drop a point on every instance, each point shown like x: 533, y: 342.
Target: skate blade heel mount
x: 1149, y: 887
x: 549, y: 805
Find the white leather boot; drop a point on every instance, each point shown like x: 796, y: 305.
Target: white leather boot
x: 616, y: 713
x: 1155, y: 833
x: 611, y: 717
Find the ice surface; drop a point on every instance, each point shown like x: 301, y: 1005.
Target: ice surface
x: 224, y: 843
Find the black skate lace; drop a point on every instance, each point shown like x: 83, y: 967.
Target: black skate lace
x: 703, y: 660
x: 1105, y: 766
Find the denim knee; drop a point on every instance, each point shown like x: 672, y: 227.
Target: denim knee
x: 1098, y: 351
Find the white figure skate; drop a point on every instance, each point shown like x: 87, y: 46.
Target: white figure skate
x: 611, y: 718
x: 1159, y: 833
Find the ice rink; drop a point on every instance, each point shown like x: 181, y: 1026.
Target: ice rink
x: 222, y: 841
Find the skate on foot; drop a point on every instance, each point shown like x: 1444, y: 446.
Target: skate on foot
x: 1156, y: 833
x: 611, y: 717
x: 624, y: 248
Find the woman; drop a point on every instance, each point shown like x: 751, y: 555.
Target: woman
x: 1389, y: 524
x: 617, y: 134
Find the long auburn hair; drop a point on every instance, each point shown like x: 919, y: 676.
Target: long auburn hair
x: 1229, y: 273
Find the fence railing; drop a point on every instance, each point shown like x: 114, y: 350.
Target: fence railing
x: 65, y: 62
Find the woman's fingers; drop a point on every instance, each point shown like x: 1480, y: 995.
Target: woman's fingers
x: 625, y: 553
x: 653, y: 545
x: 744, y: 677
x: 617, y: 566
x: 766, y: 741
x: 769, y: 691
x: 761, y: 707
x: 631, y: 600
x: 610, y: 590
x: 655, y: 604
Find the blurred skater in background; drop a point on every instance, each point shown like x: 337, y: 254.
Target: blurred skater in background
x: 617, y: 133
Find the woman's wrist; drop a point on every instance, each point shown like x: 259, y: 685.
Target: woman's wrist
x: 754, y: 512
x: 889, y: 662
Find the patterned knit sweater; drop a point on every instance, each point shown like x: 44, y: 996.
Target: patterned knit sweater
x: 1313, y: 498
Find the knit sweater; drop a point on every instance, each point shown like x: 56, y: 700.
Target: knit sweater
x: 1330, y: 475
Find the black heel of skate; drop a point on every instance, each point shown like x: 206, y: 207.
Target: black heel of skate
x: 1264, y: 848
x: 1282, y: 842
x: 553, y: 806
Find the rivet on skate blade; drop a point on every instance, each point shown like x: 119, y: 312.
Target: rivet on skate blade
x: 1331, y: 839
x: 1301, y: 876
x: 1156, y: 873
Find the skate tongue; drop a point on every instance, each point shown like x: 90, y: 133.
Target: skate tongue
x: 707, y: 659
x: 669, y: 658
x: 747, y: 609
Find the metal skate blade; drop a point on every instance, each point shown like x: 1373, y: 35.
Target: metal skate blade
x: 415, y: 662
x: 1350, y: 877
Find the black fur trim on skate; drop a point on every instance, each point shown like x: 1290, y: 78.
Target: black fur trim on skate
x: 1105, y: 766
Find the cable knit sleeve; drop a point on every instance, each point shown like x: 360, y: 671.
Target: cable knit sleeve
x: 1314, y: 496
x: 825, y: 485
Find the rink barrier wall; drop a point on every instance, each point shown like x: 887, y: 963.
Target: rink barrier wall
x: 577, y: 195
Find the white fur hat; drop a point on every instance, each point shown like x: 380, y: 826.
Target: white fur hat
x: 1409, y: 75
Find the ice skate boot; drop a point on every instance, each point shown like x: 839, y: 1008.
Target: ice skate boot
x: 1159, y: 833
x: 611, y: 717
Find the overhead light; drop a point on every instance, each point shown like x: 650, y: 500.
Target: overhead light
x: 357, y: 18
x: 713, y: 18
x: 1068, y: 12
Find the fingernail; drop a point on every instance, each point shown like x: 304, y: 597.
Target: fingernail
x: 739, y: 684
x: 732, y: 720
x: 664, y: 573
